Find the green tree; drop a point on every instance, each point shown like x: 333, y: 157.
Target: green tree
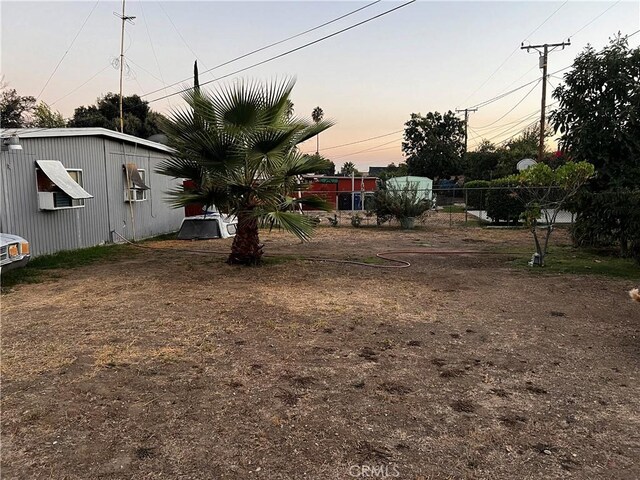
x: 393, y: 170
x: 545, y: 192
x: 348, y: 169
x: 523, y: 146
x: 316, y: 115
x: 139, y: 120
x: 330, y: 168
x: 238, y: 147
x: 598, y: 118
x: 15, y: 110
x: 482, y: 163
x: 45, y: 117
x: 434, y: 144
x: 598, y: 114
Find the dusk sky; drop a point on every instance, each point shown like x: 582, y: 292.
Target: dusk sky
x: 423, y: 57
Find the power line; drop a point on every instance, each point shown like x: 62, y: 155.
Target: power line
x: 546, y: 20
x: 514, y: 107
x: 369, y: 149
x: 68, y: 49
x: 288, y: 52
x: 596, y: 18
x: 632, y: 34
x: 362, y: 141
x: 513, y: 52
x: 144, y: 18
x: 266, y: 46
x: 505, y: 94
x: 82, y: 84
x: 182, y: 38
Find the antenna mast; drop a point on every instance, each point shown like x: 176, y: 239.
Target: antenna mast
x: 124, y: 19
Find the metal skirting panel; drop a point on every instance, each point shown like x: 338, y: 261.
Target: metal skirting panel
x: 100, y: 160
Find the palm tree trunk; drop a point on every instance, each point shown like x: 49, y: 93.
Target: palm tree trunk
x: 246, y: 248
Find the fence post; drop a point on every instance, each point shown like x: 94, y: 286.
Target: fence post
x: 466, y: 199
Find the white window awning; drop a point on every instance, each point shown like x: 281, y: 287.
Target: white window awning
x: 56, y: 172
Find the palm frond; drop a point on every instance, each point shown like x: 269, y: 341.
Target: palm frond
x: 299, y: 225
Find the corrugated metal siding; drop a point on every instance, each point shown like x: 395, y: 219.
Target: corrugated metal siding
x: 151, y: 217
x: 101, y: 162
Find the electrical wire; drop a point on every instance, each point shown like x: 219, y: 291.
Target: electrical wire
x: 153, y: 50
x: 265, y: 47
x: 82, y: 84
x: 513, y: 52
x: 182, y: 38
x: 596, y: 18
x: 514, y: 107
x: 370, y: 149
x: 68, y: 49
x: 361, y: 141
x: 288, y: 52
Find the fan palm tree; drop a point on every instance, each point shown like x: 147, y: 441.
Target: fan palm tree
x: 317, y: 115
x: 238, y: 146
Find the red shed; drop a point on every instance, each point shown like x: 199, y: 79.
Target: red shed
x: 343, y: 193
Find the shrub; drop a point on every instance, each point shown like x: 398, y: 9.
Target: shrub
x: 502, y: 202
x: 476, y: 194
x: 610, y: 218
x: 400, y: 204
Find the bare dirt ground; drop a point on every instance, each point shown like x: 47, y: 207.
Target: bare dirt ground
x: 177, y: 366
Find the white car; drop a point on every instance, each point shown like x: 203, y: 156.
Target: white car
x: 208, y: 226
x: 14, y: 251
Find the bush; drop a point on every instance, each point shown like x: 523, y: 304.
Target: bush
x: 610, y: 218
x: 502, y: 203
x: 476, y: 194
x: 400, y: 204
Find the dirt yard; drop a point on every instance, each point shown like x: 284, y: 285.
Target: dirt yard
x: 177, y: 366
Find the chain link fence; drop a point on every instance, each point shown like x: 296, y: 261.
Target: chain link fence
x: 497, y: 206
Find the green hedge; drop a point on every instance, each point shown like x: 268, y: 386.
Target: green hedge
x: 476, y: 194
x: 609, y: 218
x: 502, y: 203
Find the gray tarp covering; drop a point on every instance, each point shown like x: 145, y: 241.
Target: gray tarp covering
x: 134, y: 176
x: 58, y: 175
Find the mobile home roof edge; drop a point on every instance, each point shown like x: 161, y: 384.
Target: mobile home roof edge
x: 81, y: 132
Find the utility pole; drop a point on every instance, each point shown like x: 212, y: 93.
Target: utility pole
x: 466, y: 124
x: 124, y: 19
x: 544, y: 51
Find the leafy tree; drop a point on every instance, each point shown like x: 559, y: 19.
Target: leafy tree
x: 481, y: 163
x: 434, y: 144
x: 330, y: 167
x: 348, y: 169
x: 45, y: 117
x: 316, y: 115
x: 15, y: 110
x: 139, y: 120
x: 545, y: 192
x: 598, y: 114
x: 238, y: 147
x: 523, y: 146
x: 598, y: 118
x: 393, y: 170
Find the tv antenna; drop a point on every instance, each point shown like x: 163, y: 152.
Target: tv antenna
x: 124, y: 19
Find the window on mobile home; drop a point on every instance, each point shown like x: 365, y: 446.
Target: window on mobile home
x: 59, y: 187
x: 135, y: 181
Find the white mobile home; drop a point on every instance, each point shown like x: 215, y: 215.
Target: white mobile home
x: 71, y: 188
